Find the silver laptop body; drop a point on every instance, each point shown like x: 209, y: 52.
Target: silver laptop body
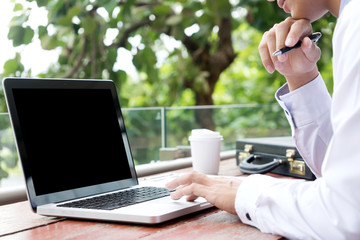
x: 72, y: 144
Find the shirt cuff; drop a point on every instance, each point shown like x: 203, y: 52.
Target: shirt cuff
x: 305, y: 104
x: 246, y: 201
x: 278, y: 95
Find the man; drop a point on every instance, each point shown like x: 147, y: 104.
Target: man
x: 326, y: 131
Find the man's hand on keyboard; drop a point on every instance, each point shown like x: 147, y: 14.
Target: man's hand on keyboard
x: 219, y: 191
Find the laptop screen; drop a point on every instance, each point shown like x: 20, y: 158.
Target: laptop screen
x: 70, y: 137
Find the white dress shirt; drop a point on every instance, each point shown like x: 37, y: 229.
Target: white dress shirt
x: 327, y: 134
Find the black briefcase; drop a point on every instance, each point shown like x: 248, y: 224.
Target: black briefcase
x: 275, y: 154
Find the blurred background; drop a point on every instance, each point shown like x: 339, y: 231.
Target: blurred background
x: 177, y: 65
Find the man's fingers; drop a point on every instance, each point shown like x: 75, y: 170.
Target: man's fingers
x: 311, y: 50
x: 193, y: 177
x: 298, y: 30
x: 281, y: 32
x: 265, y: 54
x: 191, y: 198
x: 191, y: 190
x: 218, y: 191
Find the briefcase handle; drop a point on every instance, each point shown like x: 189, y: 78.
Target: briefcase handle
x: 246, y: 167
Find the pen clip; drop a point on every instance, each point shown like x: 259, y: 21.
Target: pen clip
x: 315, y: 36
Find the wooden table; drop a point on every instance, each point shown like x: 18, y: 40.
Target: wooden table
x: 17, y: 221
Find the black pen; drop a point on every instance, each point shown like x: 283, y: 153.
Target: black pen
x: 313, y: 37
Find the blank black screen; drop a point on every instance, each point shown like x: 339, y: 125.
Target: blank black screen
x: 72, y: 138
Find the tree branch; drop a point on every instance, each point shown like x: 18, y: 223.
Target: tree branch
x: 224, y: 55
x: 190, y: 44
x: 79, y: 60
x: 225, y: 33
x: 141, y: 4
x: 127, y: 32
x: 93, y: 56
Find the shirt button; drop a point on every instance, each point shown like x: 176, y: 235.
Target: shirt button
x: 248, y: 216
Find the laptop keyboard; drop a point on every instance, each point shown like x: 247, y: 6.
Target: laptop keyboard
x: 119, y: 199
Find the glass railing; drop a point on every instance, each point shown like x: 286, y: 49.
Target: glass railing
x: 10, y: 174
x: 150, y: 129
x: 162, y: 132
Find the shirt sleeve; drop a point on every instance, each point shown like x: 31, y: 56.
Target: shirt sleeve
x: 308, y: 112
x: 265, y: 202
x: 297, y: 209
x: 327, y: 208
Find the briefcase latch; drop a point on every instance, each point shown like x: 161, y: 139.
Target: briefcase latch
x: 248, y: 148
x: 296, y: 167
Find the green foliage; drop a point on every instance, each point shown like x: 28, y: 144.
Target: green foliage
x: 171, y: 42
x: 263, y: 14
x: 233, y: 82
x: 20, y: 35
x: 18, y: 32
x: 13, y: 67
x: 80, y: 27
x: 8, y: 156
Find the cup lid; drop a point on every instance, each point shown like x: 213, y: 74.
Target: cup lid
x: 202, y: 134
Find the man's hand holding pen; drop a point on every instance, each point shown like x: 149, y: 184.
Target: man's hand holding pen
x: 299, y: 66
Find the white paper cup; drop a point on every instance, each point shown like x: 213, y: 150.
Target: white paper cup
x: 205, y: 150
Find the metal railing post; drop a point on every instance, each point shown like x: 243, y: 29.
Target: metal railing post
x: 163, y: 127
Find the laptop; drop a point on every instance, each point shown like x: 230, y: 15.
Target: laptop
x: 76, y: 157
